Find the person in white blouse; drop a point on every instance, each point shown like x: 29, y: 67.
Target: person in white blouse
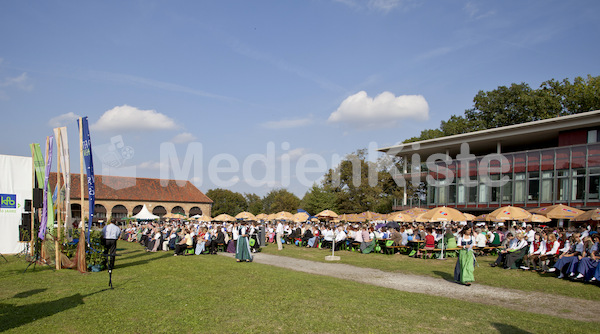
x: 550, y: 253
x: 279, y: 235
x: 530, y: 234
x: 340, y: 237
x: 480, y: 238
x: 536, y: 248
x: 235, y: 232
x: 508, y: 244
x: 517, y: 252
x: 328, y: 236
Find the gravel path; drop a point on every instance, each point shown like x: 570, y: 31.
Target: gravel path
x: 534, y: 302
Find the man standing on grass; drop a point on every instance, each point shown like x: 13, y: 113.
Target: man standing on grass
x: 111, y: 233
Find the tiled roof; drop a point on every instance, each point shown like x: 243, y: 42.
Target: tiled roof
x: 138, y: 189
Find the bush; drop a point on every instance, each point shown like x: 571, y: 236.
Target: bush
x: 94, y: 255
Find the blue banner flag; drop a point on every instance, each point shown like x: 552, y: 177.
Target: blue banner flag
x: 89, y: 165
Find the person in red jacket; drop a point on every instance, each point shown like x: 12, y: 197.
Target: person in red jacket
x: 429, y: 242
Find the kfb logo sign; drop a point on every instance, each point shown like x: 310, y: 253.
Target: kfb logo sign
x: 8, y: 201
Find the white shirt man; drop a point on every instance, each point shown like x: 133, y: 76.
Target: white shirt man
x: 279, y: 235
x: 341, y: 236
x: 111, y: 233
x: 530, y: 235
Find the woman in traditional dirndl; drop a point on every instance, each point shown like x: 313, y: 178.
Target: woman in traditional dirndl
x: 242, y: 251
x: 465, y: 265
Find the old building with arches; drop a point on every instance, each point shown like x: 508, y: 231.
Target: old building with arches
x: 120, y: 197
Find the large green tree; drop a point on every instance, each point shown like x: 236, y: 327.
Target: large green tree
x: 582, y: 95
x: 226, y: 201
x: 360, y: 185
x: 318, y: 199
x: 280, y: 200
x: 254, y: 203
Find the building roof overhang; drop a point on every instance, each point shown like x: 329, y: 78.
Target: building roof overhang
x: 535, y: 132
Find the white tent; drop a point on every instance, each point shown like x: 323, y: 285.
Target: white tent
x: 15, y: 188
x: 144, y: 214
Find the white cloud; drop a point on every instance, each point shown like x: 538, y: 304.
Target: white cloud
x: 271, y: 184
x: 62, y: 120
x: 21, y: 82
x: 349, y: 3
x: 435, y: 53
x: 385, y: 110
x: 474, y: 11
x: 183, y: 138
x: 280, y: 63
x: 384, y: 5
x: 378, y: 5
x: 152, y: 165
x: 135, y: 80
x: 297, y: 153
x: 288, y: 123
x: 131, y: 118
x: 294, y: 154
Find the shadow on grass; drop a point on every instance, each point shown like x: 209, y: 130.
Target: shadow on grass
x: 446, y: 276
x: 134, y: 254
x: 505, y: 329
x: 129, y: 252
x: 14, y: 316
x: 31, y: 269
x: 26, y: 294
x: 135, y: 263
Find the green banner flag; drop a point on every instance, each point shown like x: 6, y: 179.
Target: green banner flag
x: 39, y: 165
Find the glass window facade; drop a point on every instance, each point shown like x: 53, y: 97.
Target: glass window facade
x: 568, y: 175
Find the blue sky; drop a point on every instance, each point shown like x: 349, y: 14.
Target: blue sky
x: 298, y: 83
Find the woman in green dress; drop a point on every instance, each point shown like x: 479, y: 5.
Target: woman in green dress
x: 242, y: 250
x: 465, y: 265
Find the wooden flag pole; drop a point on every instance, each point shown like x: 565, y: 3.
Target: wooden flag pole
x: 57, y: 251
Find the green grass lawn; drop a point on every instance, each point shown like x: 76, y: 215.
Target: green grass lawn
x: 484, y: 274
x: 159, y: 293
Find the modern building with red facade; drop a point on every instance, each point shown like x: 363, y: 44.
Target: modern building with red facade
x: 532, y: 164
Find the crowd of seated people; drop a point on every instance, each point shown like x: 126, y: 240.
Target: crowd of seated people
x: 363, y: 236
x: 570, y: 254
x: 178, y: 236
x: 578, y: 258
x: 188, y: 237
